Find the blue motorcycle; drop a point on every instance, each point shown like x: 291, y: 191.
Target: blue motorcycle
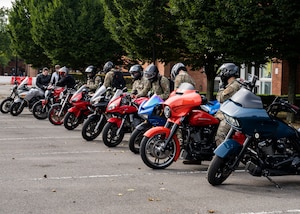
x: 152, y: 113
x: 258, y: 138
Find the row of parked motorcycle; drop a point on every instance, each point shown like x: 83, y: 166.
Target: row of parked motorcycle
x: 181, y: 127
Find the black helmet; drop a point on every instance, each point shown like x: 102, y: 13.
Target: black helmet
x: 228, y: 70
x: 136, y: 71
x: 108, y: 66
x: 151, y: 72
x: 91, y: 71
x: 176, y: 68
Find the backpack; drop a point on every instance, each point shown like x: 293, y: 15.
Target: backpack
x: 171, y: 84
x: 118, y: 80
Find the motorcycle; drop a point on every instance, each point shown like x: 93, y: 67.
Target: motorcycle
x: 6, y: 103
x: 41, y: 108
x: 258, y: 138
x: 93, y: 125
x: 151, y: 112
x: 123, y: 119
x: 81, y: 108
x: 58, y: 111
x: 20, y: 103
x: 189, y: 114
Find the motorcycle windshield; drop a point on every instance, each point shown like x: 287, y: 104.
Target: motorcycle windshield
x: 100, y: 91
x: 117, y: 94
x: 147, y: 106
x: 23, y: 83
x: 79, y: 92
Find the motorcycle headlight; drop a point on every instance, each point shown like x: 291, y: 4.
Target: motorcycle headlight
x: 111, y: 107
x: 167, y: 112
x: 232, y: 121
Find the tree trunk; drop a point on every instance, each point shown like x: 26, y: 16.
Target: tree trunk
x: 292, y: 87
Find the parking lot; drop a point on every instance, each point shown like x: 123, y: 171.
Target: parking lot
x: 48, y: 169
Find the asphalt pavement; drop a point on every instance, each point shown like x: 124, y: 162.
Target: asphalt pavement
x: 48, y: 169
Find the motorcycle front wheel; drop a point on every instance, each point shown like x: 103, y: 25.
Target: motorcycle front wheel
x: 71, y: 121
x: 155, y: 153
x: 40, y: 112
x: 218, y: 170
x: 91, y: 129
x: 6, y: 104
x: 53, y: 115
x: 135, y: 140
x: 16, y: 109
x: 110, y: 136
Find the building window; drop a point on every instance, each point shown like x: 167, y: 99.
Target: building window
x: 265, y: 77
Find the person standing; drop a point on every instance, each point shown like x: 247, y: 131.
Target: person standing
x: 228, y: 73
x: 158, y: 84
x: 55, y: 76
x: 179, y: 75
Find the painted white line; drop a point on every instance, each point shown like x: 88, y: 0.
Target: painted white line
x: 274, y: 212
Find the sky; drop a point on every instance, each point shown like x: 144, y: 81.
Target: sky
x: 5, y: 3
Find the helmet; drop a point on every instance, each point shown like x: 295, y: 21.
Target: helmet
x: 151, y: 72
x: 63, y: 71
x: 91, y: 71
x: 176, y: 68
x: 136, y: 71
x: 108, y: 66
x: 228, y: 70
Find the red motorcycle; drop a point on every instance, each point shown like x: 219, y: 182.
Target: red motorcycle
x: 123, y: 117
x: 187, y: 114
x: 41, y: 108
x: 81, y: 108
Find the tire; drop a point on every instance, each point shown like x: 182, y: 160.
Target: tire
x: 109, y: 135
x: 53, y: 114
x: 71, y: 121
x: 89, y: 131
x: 16, y: 109
x: 135, y: 140
x: 39, y: 112
x: 6, y: 104
x: 152, y: 153
x: 218, y: 171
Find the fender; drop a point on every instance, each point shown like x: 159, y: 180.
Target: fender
x: 74, y: 110
x: 116, y: 120
x: 94, y: 116
x: 143, y: 126
x: 160, y: 130
x: 228, y: 147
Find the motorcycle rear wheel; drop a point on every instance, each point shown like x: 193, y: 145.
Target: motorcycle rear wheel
x: 39, y: 112
x: 71, y: 121
x: 109, y: 135
x: 16, y: 109
x: 6, y: 104
x: 154, y: 155
x: 135, y: 140
x: 218, y: 171
x: 53, y: 114
x: 89, y: 131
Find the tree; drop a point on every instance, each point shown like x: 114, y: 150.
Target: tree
x: 145, y: 29
x: 19, y: 28
x: 72, y: 32
x: 5, y: 51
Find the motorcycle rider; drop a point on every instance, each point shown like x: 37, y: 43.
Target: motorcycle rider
x: 157, y: 84
x: 110, y: 76
x: 139, y: 81
x: 65, y: 79
x: 55, y: 76
x: 42, y: 82
x: 229, y: 73
x: 179, y: 75
x: 92, y: 79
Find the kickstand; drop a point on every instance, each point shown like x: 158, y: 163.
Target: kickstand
x: 273, y: 182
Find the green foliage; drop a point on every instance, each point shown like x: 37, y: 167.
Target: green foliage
x: 72, y: 32
x: 144, y: 29
x: 5, y: 51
